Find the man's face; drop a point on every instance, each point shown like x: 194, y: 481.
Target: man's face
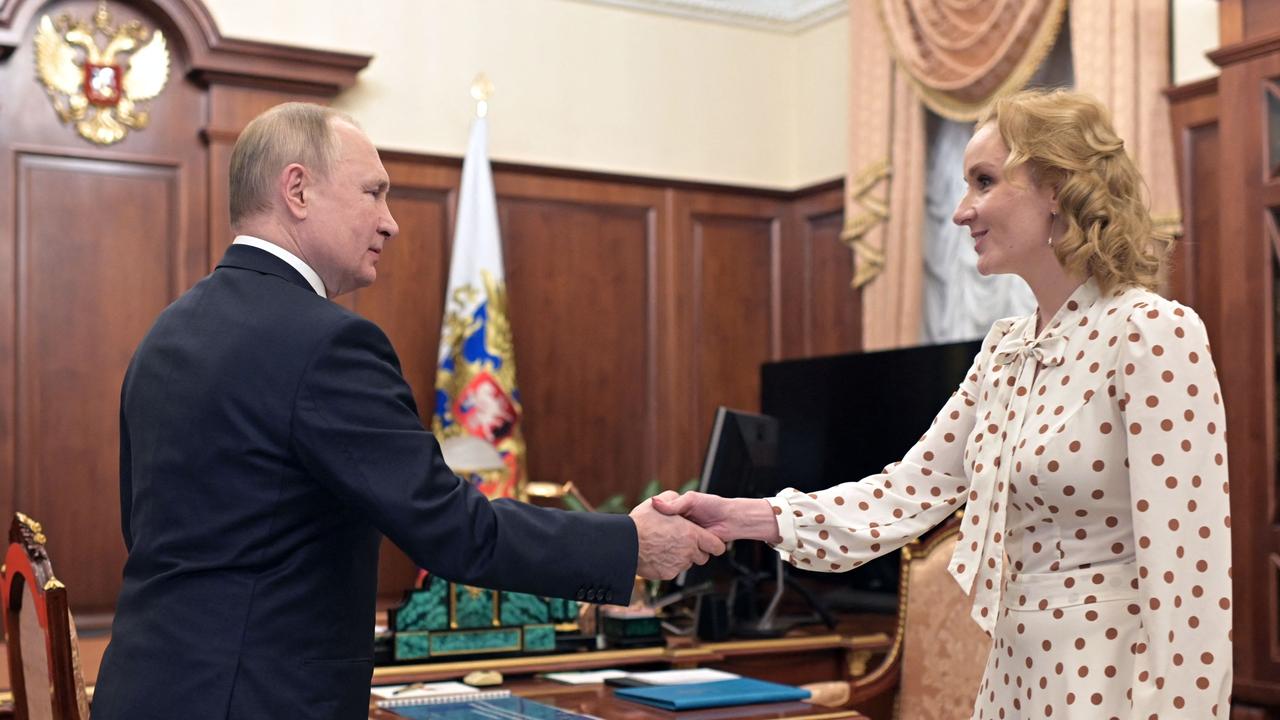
x: 348, y: 221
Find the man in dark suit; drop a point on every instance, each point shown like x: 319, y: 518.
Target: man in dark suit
x: 268, y: 441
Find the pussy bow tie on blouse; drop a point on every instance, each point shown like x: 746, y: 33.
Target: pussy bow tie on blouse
x: 1047, y: 350
x: 978, y: 562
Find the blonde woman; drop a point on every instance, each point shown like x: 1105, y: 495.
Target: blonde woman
x: 1087, y: 441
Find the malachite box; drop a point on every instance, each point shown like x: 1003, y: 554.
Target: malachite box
x: 539, y: 638
x: 474, y: 642
x: 444, y: 620
x: 411, y: 646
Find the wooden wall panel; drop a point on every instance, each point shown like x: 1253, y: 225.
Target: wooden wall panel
x: 1246, y: 329
x: 95, y: 269
x: 730, y: 249
x: 95, y: 242
x: 1240, y: 272
x: 829, y: 315
x: 637, y: 304
x: 1194, y: 120
x: 733, y: 321
x: 578, y: 281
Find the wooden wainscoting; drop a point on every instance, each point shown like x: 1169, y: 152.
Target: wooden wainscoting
x: 95, y: 242
x: 638, y: 305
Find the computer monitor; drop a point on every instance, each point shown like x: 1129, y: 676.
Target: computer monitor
x: 844, y: 417
x: 741, y: 461
x: 742, y: 454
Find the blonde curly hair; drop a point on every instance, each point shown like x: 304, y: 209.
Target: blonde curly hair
x: 1066, y: 139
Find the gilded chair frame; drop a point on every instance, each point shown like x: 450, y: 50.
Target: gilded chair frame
x: 886, y: 676
x: 27, y: 577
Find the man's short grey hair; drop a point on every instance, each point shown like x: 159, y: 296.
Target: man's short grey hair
x: 289, y: 133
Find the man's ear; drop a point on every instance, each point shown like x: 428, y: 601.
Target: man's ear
x: 295, y: 185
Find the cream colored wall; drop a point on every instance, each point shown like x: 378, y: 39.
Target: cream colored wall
x: 820, y: 103
x: 583, y: 86
x: 603, y: 88
x: 1195, y: 32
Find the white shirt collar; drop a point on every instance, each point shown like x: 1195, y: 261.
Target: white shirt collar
x: 294, y: 261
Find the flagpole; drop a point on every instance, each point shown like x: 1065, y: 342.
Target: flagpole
x: 481, y: 90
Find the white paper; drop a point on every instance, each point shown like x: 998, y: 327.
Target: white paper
x: 682, y: 677
x: 422, y: 690
x: 585, y: 677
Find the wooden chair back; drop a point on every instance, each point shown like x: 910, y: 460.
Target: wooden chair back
x: 44, y: 667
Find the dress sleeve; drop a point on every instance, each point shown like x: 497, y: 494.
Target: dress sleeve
x: 845, y: 526
x: 1177, y: 454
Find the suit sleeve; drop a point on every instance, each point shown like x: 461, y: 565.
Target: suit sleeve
x: 126, y: 480
x: 1176, y: 435
x: 356, y: 429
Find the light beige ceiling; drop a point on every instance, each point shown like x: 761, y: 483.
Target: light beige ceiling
x: 783, y: 16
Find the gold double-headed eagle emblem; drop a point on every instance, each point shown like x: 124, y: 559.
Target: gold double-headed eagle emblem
x: 99, y: 90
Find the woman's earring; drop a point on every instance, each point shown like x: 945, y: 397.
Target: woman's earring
x: 1053, y: 216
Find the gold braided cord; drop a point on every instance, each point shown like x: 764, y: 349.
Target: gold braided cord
x: 868, y: 260
x: 948, y: 105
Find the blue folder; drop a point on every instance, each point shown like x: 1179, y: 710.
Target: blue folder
x: 722, y: 693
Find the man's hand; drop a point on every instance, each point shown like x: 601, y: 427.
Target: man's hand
x: 669, y: 544
x: 729, y: 518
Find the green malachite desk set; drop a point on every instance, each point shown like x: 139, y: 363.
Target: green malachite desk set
x: 445, y: 620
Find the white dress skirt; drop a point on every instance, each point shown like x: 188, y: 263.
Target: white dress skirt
x: 1096, y: 542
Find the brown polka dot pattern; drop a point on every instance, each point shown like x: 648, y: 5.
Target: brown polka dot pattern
x: 1094, y: 454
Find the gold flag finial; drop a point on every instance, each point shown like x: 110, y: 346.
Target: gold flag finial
x: 481, y: 90
x: 102, y: 17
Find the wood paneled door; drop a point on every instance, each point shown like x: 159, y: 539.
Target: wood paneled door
x: 94, y: 242
x: 1227, y: 134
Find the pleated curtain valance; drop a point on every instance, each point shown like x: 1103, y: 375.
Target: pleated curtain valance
x: 961, y: 54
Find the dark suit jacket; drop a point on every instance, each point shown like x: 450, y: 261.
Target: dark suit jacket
x: 267, y: 442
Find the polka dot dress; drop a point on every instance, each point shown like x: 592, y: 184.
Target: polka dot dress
x: 1096, y: 543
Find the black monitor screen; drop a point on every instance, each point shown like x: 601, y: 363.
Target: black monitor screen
x: 844, y: 417
x: 741, y: 461
x: 847, y: 416
x: 741, y: 454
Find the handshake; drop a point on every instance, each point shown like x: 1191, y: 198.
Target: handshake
x: 676, y: 531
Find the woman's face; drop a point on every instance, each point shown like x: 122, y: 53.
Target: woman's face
x: 1008, y: 216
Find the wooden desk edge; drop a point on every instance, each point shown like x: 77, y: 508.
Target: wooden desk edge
x: 708, y: 652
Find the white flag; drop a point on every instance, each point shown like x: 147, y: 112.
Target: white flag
x: 476, y: 392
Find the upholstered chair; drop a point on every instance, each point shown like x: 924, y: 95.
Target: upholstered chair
x: 938, y: 652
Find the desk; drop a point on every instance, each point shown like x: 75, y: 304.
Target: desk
x: 598, y: 700
x: 792, y: 660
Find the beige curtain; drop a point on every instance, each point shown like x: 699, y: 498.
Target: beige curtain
x: 885, y: 205
x: 962, y: 53
x: 908, y: 54
x: 1120, y: 50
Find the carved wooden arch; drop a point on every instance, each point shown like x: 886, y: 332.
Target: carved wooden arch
x: 216, y: 59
